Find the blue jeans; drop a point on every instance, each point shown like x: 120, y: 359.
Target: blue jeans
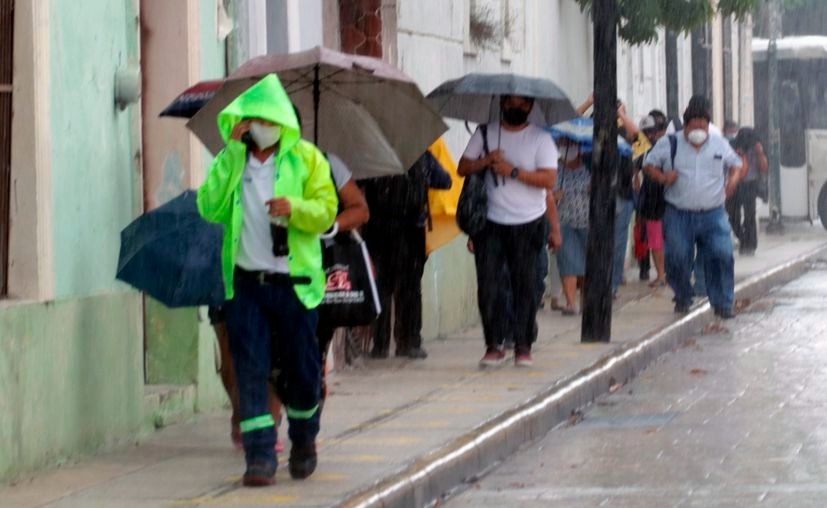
x: 700, y: 275
x: 710, y: 232
x: 623, y: 216
x: 256, y: 311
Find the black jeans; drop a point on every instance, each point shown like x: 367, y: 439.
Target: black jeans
x: 744, y: 227
x: 512, y: 250
x: 398, y: 254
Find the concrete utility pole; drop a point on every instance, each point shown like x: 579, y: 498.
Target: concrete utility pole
x: 774, y: 107
x: 597, y: 288
x: 672, y: 106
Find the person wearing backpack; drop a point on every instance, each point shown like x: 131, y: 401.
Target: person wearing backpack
x: 652, y: 205
x: 703, y: 171
x: 395, y: 236
x: 518, y: 171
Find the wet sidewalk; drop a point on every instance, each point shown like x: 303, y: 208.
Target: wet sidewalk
x: 395, y: 431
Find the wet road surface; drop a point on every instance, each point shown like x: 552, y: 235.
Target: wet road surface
x: 737, y: 417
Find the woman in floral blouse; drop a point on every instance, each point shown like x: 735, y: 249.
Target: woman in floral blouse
x: 572, y: 194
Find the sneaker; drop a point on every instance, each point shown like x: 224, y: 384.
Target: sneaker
x: 259, y: 475
x: 493, y: 357
x: 302, y: 461
x: 523, y: 359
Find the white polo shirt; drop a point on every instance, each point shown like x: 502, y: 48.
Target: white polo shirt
x: 255, y: 250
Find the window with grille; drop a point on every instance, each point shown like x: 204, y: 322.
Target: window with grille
x: 6, y: 43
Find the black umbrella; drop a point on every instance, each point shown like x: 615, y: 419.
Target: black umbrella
x: 475, y: 98
x: 174, y: 255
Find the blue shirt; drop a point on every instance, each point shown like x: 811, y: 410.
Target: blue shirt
x: 701, y: 173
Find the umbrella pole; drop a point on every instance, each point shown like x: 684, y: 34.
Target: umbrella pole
x: 316, y: 97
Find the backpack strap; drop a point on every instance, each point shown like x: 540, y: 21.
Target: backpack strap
x: 484, y: 131
x: 673, y: 148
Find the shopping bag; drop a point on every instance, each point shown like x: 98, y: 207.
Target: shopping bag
x: 351, y: 297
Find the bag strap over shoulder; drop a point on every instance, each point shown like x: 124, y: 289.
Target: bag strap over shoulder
x: 484, y: 131
x: 673, y: 148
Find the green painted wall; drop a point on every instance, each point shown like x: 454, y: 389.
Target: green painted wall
x: 92, y: 152
x: 449, y: 290
x: 71, y: 378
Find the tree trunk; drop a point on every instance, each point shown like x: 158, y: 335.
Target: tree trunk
x: 597, y: 289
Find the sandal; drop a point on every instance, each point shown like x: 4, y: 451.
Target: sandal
x: 568, y: 310
x: 657, y: 283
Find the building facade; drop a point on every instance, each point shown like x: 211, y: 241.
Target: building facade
x: 85, y: 361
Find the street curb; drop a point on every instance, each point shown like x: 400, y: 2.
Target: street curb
x: 425, y: 479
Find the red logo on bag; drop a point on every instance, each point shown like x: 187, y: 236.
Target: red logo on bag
x: 338, y: 280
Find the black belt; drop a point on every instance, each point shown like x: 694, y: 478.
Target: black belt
x: 271, y: 278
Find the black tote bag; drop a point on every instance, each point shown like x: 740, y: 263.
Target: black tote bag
x: 351, y: 297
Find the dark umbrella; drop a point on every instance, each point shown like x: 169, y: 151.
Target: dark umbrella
x: 174, y: 255
x: 475, y: 98
x: 366, y: 111
x: 188, y: 102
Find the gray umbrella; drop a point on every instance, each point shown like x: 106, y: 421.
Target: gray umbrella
x: 366, y: 111
x: 475, y: 98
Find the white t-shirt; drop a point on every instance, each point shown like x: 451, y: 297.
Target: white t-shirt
x: 510, y: 201
x: 341, y: 173
x: 255, y: 249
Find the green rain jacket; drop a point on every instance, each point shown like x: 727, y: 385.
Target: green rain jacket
x: 303, y: 177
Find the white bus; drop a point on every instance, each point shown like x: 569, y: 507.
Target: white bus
x: 802, y: 74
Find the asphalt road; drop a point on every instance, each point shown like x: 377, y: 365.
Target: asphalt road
x: 737, y: 417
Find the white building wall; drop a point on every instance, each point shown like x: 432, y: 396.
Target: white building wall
x: 641, y: 75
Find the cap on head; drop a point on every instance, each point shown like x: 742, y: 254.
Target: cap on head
x: 648, y: 123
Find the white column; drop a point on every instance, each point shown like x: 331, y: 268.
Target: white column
x: 747, y: 107
x: 256, y: 28
x: 294, y: 26
x: 717, y: 72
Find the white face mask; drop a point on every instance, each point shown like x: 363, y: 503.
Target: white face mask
x: 697, y: 137
x: 265, y: 136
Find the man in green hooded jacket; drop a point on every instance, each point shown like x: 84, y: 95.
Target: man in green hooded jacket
x: 273, y: 193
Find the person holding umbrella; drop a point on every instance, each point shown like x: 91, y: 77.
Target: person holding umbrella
x: 274, y: 195
x: 518, y: 172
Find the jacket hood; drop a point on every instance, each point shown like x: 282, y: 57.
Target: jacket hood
x: 267, y: 100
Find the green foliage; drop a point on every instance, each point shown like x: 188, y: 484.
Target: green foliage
x: 639, y: 20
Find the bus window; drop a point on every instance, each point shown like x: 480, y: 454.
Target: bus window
x: 793, y: 144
